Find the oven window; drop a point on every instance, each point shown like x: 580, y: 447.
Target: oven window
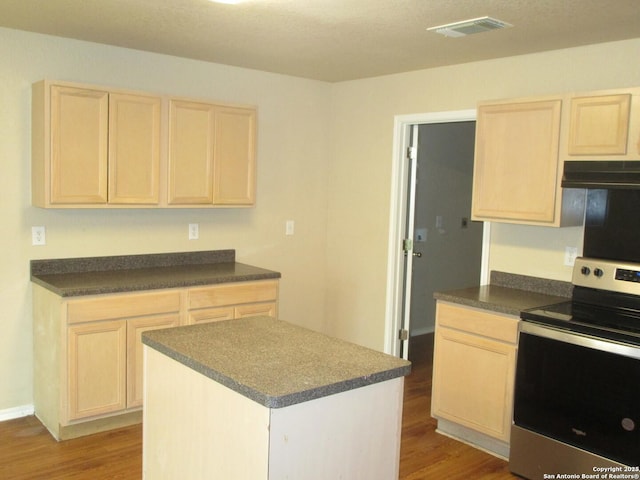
x: 584, y: 397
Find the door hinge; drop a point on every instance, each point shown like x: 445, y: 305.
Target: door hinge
x: 407, y: 245
x: 412, y: 153
x: 403, y: 334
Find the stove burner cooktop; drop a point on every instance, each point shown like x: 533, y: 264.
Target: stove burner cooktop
x: 591, y: 320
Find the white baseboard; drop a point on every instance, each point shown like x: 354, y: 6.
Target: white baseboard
x: 422, y: 331
x: 16, y: 412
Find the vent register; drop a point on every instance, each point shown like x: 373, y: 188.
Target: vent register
x: 469, y: 27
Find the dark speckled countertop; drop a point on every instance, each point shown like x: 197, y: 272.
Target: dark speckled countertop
x: 273, y: 362
x: 510, y: 293
x: 99, y: 275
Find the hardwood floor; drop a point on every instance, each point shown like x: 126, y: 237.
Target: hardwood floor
x: 28, y: 452
x: 425, y: 454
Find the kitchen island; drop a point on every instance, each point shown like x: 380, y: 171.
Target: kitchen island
x: 260, y: 398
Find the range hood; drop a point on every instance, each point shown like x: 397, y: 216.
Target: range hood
x: 601, y: 174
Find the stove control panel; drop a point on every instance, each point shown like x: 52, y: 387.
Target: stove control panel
x: 607, y: 275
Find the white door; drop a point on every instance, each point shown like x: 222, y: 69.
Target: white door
x: 407, y: 244
x: 402, y: 210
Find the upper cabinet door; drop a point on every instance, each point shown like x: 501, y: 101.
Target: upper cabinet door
x: 599, y: 125
x: 234, y: 159
x: 96, y: 147
x: 191, y: 150
x: 134, y: 149
x: 516, y: 162
x: 79, y: 143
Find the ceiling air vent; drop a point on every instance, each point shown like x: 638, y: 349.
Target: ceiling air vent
x: 469, y: 27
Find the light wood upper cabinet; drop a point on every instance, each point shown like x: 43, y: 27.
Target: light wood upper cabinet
x: 235, y: 164
x: 604, y: 126
x: 211, y: 154
x: 516, y: 169
x: 79, y: 137
x: 96, y: 147
x: 191, y: 149
x: 522, y: 144
x: 92, y: 147
x: 134, y: 149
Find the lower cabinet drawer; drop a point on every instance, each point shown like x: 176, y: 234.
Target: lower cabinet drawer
x: 481, y: 322
x: 232, y: 294
x: 207, y: 315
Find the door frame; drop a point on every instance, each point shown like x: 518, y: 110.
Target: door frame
x: 396, y: 296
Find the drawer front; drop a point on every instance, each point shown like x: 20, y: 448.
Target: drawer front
x: 256, y: 309
x: 480, y: 322
x: 233, y: 294
x: 122, y: 306
x: 208, y: 315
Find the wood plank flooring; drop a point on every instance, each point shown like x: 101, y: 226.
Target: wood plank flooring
x: 28, y: 452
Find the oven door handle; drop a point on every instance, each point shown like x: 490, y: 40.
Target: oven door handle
x: 580, y: 339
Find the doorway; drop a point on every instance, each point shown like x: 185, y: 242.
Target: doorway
x: 447, y: 245
x: 433, y: 220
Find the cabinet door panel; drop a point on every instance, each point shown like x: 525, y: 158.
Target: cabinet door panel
x: 96, y: 368
x: 516, y: 164
x: 473, y: 382
x: 599, y: 125
x: 134, y: 149
x: 135, y: 328
x: 234, y: 158
x: 79, y: 136
x: 191, y: 149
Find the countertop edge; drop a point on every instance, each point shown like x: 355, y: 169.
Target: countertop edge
x: 286, y: 399
x: 493, y: 307
x: 510, y: 294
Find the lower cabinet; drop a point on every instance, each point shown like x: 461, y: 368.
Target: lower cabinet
x: 135, y: 365
x: 88, y: 362
x: 473, y: 375
x: 96, y: 368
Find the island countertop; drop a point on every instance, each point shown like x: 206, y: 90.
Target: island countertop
x: 127, y: 273
x: 273, y: 362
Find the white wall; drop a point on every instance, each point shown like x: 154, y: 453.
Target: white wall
x: 293, y: 119
x: 359, y: 178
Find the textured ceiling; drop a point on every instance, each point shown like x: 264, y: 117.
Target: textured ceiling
x: 330, y: 40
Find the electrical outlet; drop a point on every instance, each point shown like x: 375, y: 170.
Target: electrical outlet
x: 570, y: 254
x: 38, y: 236
x: 194, y: 231
x: 289, y: 228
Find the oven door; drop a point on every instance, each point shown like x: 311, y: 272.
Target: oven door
x: 579, y: 390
